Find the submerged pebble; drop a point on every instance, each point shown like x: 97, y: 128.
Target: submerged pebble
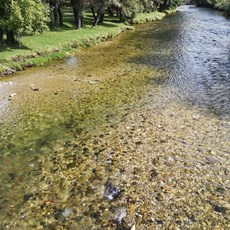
x: 111, y: 192
x: 28, y: 196
x: 58, y: 214
x: 34, y: 88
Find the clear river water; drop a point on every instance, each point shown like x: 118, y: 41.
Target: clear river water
x: 66, y: 128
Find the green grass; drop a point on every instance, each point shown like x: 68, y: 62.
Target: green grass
x: 148, y: 17
x: 60, y: 37
x: 39, y: 49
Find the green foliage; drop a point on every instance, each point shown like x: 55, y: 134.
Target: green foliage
x: 225, y: 6
x: 16, y: 66
x: 169, y: 4
x: 10, y: 16
x: 148, y: 6
x: 39, y: 49
x: 23, y: 15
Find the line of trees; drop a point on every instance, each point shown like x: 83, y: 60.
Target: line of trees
x: 17, y: 16
x: 122, y: 8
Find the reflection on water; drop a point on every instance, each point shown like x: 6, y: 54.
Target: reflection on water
x: 55, y: 157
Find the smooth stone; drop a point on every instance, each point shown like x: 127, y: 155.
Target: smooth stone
x: 34, y: 88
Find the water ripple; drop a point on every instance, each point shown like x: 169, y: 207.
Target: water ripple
x: 194, y: 50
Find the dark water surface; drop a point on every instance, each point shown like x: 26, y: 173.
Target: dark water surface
x: 184, y: 58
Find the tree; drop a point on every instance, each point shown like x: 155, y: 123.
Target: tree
x: 77, y: 11
x: 168, y: 4
x: 100, y: 12
x: 127, y: 8
x: 55, y: 13
x: 17, y: 16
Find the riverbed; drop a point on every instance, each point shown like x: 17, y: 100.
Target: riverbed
x: 132, y: 132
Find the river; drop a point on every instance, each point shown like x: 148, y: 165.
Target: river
x: 134, y: 131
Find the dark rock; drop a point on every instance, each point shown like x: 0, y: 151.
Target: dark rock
x: 85, y: 150
x: 159, y: 197
x: 96, y: 215
x: 153, y: 173
x: 12, y: 176
x: 160, y: 222
x: 220, y: 190
x: 71, y: 165
x: 136, y: 171
x: 156, y: 160
x: 138, y: 142
x: 178, y: 222
x: 67, y: 144
x: 58, y: 214
x: 111, y: 192
x: 163, y: 140
x: 219, y: 209
x: 28, y: 196
x: 10, y: 146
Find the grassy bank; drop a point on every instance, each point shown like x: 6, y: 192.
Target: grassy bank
x: 40, y: 49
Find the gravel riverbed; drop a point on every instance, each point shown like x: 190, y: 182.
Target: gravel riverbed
x: 168, y: 166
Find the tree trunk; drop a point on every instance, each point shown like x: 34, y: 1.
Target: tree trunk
x: 93, y: 12
x: 10, y: 37
x: 79, y: 19
x: 110, y: 11
x: 121, y: 15
x: 77, y: 11
x: 163, y: 6
x: 60, y: 16
x: 100, y: 15
x: 1, y: 35
x: 55, y: 12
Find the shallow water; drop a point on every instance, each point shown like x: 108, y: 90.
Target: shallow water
x: 58, y: 143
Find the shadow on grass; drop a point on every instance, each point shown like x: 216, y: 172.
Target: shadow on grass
x: 108, y: 24
x: 4, y: 47
x: 87, y: 23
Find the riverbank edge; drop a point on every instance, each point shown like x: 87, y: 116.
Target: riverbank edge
x: 41, y: 57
